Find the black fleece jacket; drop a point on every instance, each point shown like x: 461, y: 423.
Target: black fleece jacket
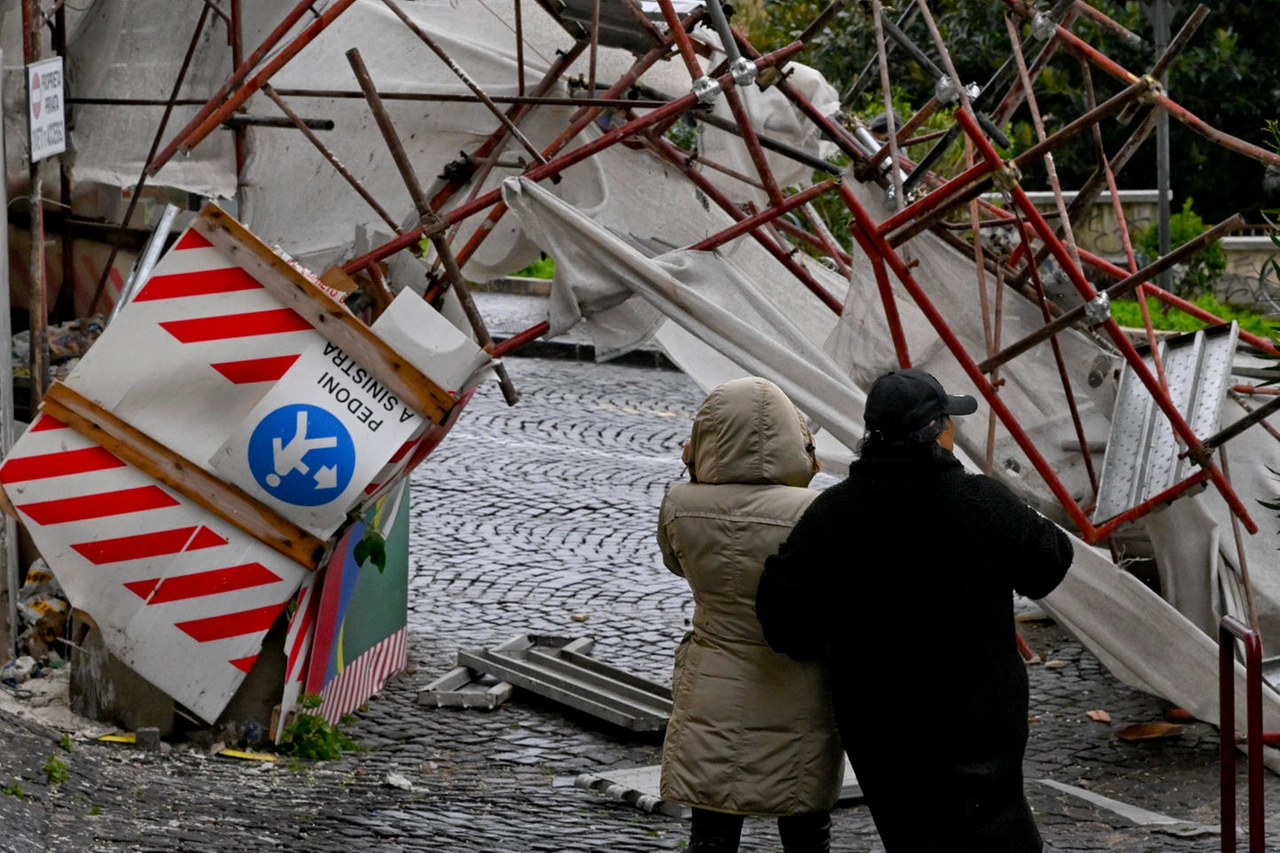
x: 901, y: 577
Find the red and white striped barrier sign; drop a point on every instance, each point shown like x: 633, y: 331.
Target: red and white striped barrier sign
x: 180, y: 595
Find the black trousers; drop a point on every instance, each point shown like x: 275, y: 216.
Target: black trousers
x: 718, y: 832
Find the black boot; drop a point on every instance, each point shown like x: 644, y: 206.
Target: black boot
x: 714, y: 832
x: 806, y: 833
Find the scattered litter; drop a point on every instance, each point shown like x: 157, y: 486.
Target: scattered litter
x: 247, y: 754
x: 19, y: 671
x: 1149, y: 731
x: 580, y: 617
x: 1055, y: 664
x: 1179, y: 715
x: 1098, y: 716
x: 395, y: 780
x: 121, y: 737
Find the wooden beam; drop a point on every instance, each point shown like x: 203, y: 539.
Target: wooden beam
x: 329, y: 317
x: 183, y: 476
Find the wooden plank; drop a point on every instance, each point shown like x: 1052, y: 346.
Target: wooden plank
x: 183, y: 476
x: 329, y: 317
x: 6, y: 505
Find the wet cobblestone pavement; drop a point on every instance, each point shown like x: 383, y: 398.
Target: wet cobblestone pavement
x: 539, y: 519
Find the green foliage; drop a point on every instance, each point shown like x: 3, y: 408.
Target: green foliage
x: 1127, y: 312
x: 55, y: 771
x: 93, y: 810
x: 544, y: 267
x: 1202, y: 267
x: 684, y: 135
x: 309, y: 736
x: 66, y: 743
x: 14, y: 790
x: 372, y: 547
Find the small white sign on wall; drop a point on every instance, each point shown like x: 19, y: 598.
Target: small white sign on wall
x: 46, y: 111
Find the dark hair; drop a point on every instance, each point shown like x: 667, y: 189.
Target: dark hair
x: 920, y: 442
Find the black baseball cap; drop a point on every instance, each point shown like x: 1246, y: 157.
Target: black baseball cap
x: 903, y: 401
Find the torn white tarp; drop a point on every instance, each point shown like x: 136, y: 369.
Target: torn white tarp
x: 701, y: 291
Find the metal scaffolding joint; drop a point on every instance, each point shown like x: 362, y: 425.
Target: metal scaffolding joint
x: 707, y: 89
x: 744, y: 71
x: 1154, y: 91
x: 1043, y: 27
x: 1098, y: 309
x: 1007, y: 177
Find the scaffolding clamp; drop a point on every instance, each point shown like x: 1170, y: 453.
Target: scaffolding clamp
x: 1098, y: 309
x: 432, y: 224
x: 744, y: 71
x: 946, y: 90
x: 1154, y: 91
x: 1007, y: 176
x: 707, y: 89
x: 1043, y: 27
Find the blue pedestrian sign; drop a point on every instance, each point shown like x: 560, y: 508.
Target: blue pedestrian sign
x: 302, y: 455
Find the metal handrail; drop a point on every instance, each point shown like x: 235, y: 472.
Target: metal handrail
x: 1230, y: 628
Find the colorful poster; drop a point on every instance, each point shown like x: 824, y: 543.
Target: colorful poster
x: 359, y: 639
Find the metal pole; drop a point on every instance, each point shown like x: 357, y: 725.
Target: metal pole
x: 1159, y: 13
x: 429, y: 216
x: 332, y: 158
x: 467, y: 81
x: 9, y: 549
x: 146, y: 168
x: 66, y: 303
x: 242, y: 71
x: 38, y: 297
x: 558, y: 165
x: 239, y: 132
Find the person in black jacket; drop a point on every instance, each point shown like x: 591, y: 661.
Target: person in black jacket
x: 901, y: 577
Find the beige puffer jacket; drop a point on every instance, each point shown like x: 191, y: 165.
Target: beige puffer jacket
x: 751, y: 731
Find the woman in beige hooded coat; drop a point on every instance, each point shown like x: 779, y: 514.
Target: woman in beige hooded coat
x: 751, y: 731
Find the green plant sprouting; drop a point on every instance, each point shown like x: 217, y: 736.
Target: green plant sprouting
x: 310, y: 736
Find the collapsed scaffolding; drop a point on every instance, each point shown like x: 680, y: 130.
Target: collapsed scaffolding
x: 888, y: 304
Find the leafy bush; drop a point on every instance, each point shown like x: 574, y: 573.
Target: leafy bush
x: 1128, y: 313
x: 310, y: 735
x: 1202, y: 267
x: 544, y: 267
x: 55, y: 771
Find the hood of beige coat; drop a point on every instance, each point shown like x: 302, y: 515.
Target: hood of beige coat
x: 748, y: 431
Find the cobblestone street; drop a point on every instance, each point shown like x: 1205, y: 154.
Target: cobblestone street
x: 540, y: 519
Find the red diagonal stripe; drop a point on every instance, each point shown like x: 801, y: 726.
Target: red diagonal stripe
x: 192, y: 240
x: 135, y: 547
x: 58, y: 464
x: 45, y: 422
x: 205, y: 538
x: 200, y: 584
x: 245, y: 325
x: 231, y: 625
x: 243, y: 664
x: 300, y: 640
x: 97, y: 506
x: 255, y: 369
x: 198, y: 283
x: 400, y: 454
x: 142, y: 588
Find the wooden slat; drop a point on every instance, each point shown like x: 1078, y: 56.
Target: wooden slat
x: 183, y: 476
x: 6, y: 505
x: 336, y: 323
x: 337, y: 278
